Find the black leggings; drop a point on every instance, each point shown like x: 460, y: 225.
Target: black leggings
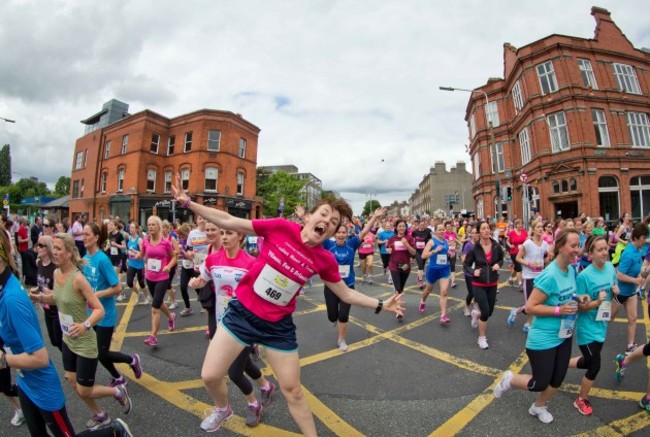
x: 337, y: 310
x: 57, y: 422
x: 590, y: 359
x: 6, y: 386
x: 53, y: 326
x: 549, y: 366
x: 131, y: 273
x: 385, y: 259
x: 470, y: 290
x: 212, y: 320
x: 157, y: 291
x: 106, y: 356
x: 244, y: 363
x: 486, y: 297
x: 399, y: 279
x: 186, y: 275
x: 421, y: 261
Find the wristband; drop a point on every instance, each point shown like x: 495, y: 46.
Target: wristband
x: 380, y: 305
x: 186, y: 204
x: 557, y: 310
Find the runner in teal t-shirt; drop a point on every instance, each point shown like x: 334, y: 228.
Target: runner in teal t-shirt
x: 598, y: 281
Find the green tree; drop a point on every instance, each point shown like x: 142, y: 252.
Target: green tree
x: 5, y: 166
x: 62, y: 187
x: 26, y: 188
x: 272, y: 187
x: 327, y: 195
x: 370, y: 207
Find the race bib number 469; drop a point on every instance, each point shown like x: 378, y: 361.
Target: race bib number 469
x: 274, y: 287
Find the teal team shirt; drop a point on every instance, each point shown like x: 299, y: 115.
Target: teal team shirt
x: 558, y: 286
x: 591, y: 282
x: 630, y: 264
x: 100, y: 275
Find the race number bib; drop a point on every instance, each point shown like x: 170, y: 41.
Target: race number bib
x: 537, y: 267
x: 419, y: 244
x: 222, y: 304
x: 154, y: 265
x: 399, y: 246
x: 66, y: 321
x: 604, y: 313
x: 344, y: 271
x: 187, y: 264
x: 274, y: 287
x: 441, y: 260
x: 114, y: 250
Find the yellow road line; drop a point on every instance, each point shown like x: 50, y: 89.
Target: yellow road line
x: 329, y: 418
x: 624, y: 426
x: 459, y: 420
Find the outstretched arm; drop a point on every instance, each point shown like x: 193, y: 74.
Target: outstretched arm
x: 379, y: 212
x: 216, y: 216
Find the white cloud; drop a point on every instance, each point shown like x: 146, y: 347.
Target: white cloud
x: 335, y: 86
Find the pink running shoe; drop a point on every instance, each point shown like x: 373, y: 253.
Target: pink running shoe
x: 171, y: 323
x: 151, y: 341
x: 444, y: 319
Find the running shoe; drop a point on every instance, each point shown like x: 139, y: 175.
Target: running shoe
x: 136, y: 366
x: 186, y: 312
x: 643, y: 403
x: 453, y: 284
x: 266, y: 396
x: 526, y: 328
x: 630, y: 348
x: 18, y: 419
x: 619, y: 362
x: 213, y: 422
x: 173, y: 306
x: 541, y: 412
x: 640, y: 291
x: 253, y: 414
x: 369, y: 280
x: 420, y: 284
x: 122, y: 428
x: 171, y: 323
x: 390, y: 279
x: 583, y: 406
x: 99, y: 420
x: 444, y: 319
x: 475, y: 315
x: 467, y: 312
x: 117, y: 381
x: 343, y: 346
x: 122, y: 396
x: 121, y: 297
x: 512, y: 316
x: 399, y: 317
x: 151, y: 341
x: 422, y: 307
x: 511, y: 282
x: 503, y: 385
x: 482, y: 343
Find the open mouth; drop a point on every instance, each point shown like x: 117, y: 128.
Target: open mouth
x: 320, y: 230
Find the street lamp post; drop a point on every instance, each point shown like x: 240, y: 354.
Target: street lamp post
x: 491, y: 145
x: 7, y: 120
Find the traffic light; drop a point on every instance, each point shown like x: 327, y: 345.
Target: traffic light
x: 509, y: 194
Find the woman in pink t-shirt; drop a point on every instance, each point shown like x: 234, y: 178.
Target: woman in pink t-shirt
x: 452, y: 240
x: 514, y: 239
x: 266, y: 297
x: 159, y: 260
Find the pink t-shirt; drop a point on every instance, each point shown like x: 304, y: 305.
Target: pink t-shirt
x: 517, y: 239
x: 156, y: 258
x: 368, y: 244
x: 451, y: 236
x: 225, y: 274
x: 270, y: 287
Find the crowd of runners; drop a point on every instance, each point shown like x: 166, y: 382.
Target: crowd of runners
x: 574, y: 276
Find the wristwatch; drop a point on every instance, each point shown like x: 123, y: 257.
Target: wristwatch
x: 87, y: 325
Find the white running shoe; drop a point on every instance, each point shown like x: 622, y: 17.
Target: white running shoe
x: 541, y: 412
x: 467, y: 312
x: 482, y: 343
x: 475, y: 316
x: 503, y: 385
x: 343, y: 346
x: 18, y: 419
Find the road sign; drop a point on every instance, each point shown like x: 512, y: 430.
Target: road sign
x: 523, y: 177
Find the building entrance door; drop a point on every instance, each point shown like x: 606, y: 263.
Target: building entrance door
x: 566, y: 210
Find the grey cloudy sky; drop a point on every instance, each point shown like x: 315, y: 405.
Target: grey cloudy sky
x: 335, y: 86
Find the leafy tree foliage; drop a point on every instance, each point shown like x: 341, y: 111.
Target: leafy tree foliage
x: 62, y: 187
x: 370, y: 207
x: 272, y: 187
x: 5, y: 166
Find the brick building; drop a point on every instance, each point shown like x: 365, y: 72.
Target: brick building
x: 439, y: 187
x: 572, y: 115
x: 125, y: 164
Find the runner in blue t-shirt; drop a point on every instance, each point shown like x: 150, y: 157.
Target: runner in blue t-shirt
x: 344, y: 249
x: 438, y: 269
x: 385, y: 232
x: 598, y: 281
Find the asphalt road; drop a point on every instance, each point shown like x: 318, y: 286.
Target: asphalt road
x: 413, y: 378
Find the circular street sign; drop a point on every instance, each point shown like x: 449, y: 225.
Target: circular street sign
x: 523, y: 177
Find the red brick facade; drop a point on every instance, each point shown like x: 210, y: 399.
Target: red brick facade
x: 599, y: 163
x: 108, y: 179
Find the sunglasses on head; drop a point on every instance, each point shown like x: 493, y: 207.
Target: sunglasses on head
x: 46, y: 225
x: 41, y: 245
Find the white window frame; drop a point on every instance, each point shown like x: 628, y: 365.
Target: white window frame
x: 499, y: 160
x: 210, y: 171
x: 168, y: 182
x: 477, y: 165
x: 517, y: 97
x: 472, y: 126
x: 171, y: 144
x: 120, y: 179
x: 214, y: 145
x: 637, y: 123
x: 151, y: 177
x: 103, y: 182
x: 185, y: 178
x: 524, y: 144
x: 75, y: 189
x: 78, y: 165
x: 241, y: 178
x: 600, y: 127
x: 546, y: 75
x: 125, y: 143
x: 588, y: 77
x: 243, y: 144
x: 155, y: 143
x: 187, y: 144
x: 492, y: 114
x: 626, y: 78
x: 107, y: 149
x: 557, y: 129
